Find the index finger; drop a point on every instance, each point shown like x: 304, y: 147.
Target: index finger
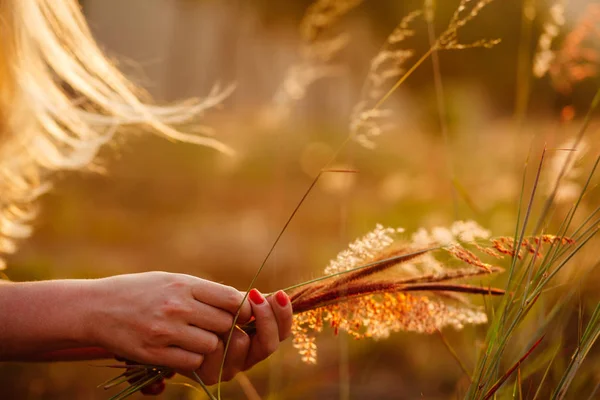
x: 225, y: 297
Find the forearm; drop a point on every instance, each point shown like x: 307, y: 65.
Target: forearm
x: 39, y: 317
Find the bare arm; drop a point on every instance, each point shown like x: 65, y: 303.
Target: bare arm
x: 159, y: 318
x: 43, y: 316
x: 154, y: 317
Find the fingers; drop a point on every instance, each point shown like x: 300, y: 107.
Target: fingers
x: 210, y: 318
x: 282, y: 308
x: 175, y: 357
x: 224, y: 297
x: 195, y: 340
x: 209, y: 370
x: 234, y: 362
x: 236, y: 354
x: 245, y: 312
x: 273, y: 323
x: 266, y: 339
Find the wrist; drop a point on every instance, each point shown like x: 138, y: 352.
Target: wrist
x: 88, y: 316
x: 82, y: 320
x: 68, y: 316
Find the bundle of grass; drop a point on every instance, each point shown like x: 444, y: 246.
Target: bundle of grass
x: 379, y: 286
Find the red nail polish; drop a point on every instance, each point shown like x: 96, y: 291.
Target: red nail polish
x: 154, y: 388
x: 256, y: 297
x: 282, y: 298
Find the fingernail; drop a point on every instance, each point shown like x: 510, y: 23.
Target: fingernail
x: 256, y: 297
x: 282, y: 298
x: 154, y: 388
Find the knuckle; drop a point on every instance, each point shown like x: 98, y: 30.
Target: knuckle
x: 191, y: 363
x: 233, y: 296
x: 158, y: 333
x: 226, y: 321
x: 156, y: 274
x: 162, y: 277
x: 173, y: 307
x: 242, y: 341
x: 212, y: 343
x: 149, y: 355
x: 177, y: 282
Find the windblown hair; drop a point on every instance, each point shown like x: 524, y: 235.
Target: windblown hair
x: 61, y: 99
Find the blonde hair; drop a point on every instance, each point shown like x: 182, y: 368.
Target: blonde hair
x: 61, y: 99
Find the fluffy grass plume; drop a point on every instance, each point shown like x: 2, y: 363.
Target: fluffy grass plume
x: 368, y: 119
x: 319, y: 45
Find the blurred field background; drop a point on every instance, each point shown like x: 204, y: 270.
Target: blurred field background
x: 180, y: 208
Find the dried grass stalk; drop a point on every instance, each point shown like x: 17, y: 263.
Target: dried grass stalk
x: 387, y: 66
x: 368, y: 120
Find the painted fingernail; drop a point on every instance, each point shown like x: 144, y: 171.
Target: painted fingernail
x: 154, y: 388
x: 282, y: 298
x: 256, y: 297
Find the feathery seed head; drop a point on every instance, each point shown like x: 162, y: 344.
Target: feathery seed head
x: 362, y: 250
x: 366, y: 298
x: 372, y: 303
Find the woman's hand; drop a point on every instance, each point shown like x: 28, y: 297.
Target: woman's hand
x: 157, y: 318
x: 273, y: 321
x: 173, y: 320
x: 273, y: 324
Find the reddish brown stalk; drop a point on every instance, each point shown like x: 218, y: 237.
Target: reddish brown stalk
x: 338, y: 295
x: 452, y: 274
x: 457, y: 288
x: 305, y: 291
x: 454, y: 296
x: 380, y: 266
x: 512, y: 369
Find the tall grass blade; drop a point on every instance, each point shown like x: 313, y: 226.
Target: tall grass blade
x: 512, y: 369
x: 454, y: 354
x: 591, y: 334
